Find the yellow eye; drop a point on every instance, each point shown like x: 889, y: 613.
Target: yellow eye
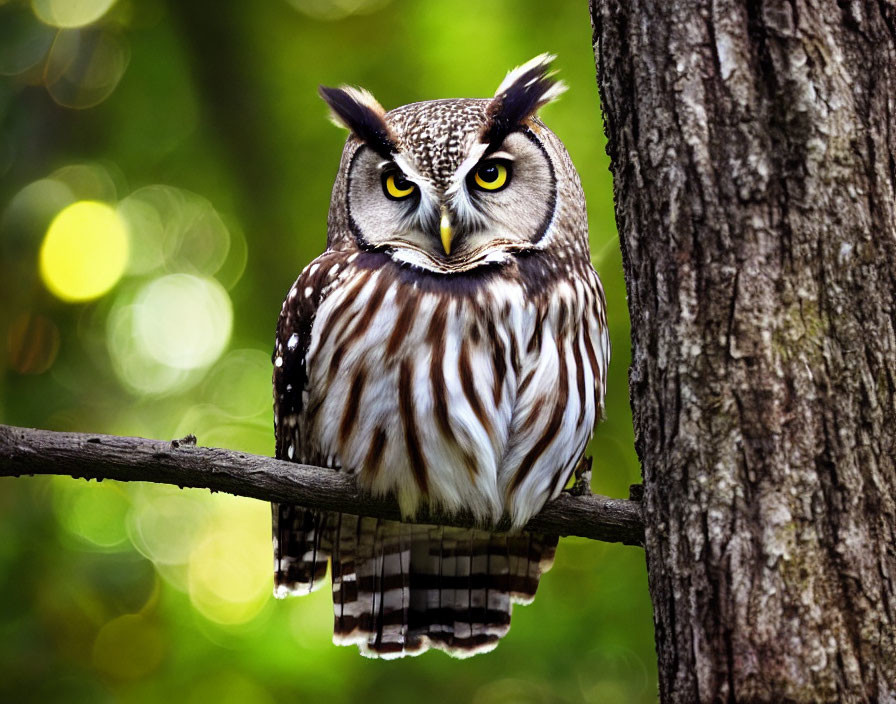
x: 396, y: 186
x: 492, y: 176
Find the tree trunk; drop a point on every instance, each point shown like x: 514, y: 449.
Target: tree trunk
x: 753, y: 149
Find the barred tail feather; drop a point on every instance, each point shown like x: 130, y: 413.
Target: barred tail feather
x: 301, y: 549
x: 530, y: 556
x: 399, y: 589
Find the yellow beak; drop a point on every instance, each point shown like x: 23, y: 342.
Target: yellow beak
x: 447, y: 232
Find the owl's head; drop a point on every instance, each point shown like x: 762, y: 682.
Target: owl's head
x: 451, y: 185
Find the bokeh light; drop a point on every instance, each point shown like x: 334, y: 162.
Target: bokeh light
x: 70, y: 13
x: 32, y: 343
x: 229, y: 688
x: 138, y: 371
x: 23, y: 40
x: 178, y: 231
x: 230, y: 569
x: 84, y: 66
x: 31, y: 210
x: 89, y: 181
x: 92, y: 512
x: 512, y: 691
x: 183, y: 321
x: 162, y: 335
x: 337, y: 9
x: 144, y: 215
x: 311, y: 619
x: 165, y: 523
x: 128, y: 647
x: 85, y: 251
x: 239, y: 384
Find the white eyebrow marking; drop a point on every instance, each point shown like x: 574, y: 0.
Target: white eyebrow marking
x: 507, y: 156
x: 410, y: 171
x: 463, y: 206
x: 457, y: 178
x: 428, y: 197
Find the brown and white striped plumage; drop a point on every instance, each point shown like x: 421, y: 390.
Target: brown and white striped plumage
x: 471, y: 380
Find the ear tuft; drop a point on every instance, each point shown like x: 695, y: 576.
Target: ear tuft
x: 357, y: 110
x: 525, y: 90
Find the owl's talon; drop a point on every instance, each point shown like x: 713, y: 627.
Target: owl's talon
x: 582, y: 474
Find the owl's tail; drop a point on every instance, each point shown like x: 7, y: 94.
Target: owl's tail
x: 301, y: 550
x: 399, y: 589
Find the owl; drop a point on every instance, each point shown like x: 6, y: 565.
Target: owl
x: 449, y: 348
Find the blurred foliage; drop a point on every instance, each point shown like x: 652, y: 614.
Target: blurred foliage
x: 165, y: 171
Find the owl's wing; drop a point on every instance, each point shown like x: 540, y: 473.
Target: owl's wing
x: 560, y: 395
x: 294, y: 330
x: 300, y: 546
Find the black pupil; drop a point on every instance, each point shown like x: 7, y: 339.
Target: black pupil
x: 401, y: 183
x: 489, y: 173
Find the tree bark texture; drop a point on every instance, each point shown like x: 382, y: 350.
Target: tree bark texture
x: 753, y: 149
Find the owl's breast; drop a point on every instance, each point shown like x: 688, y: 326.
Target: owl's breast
x: 414, y: 388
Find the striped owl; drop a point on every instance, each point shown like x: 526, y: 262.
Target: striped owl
x: 449, y: 348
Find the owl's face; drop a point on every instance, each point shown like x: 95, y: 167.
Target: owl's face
x: 450, y: 185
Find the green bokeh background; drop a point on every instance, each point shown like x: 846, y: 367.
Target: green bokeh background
x: 207, y: 115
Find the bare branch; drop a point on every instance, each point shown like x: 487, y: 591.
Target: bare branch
x: 25, y: 451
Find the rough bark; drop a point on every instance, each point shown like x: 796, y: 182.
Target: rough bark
x: 27, y: 451
x: 752, y: 148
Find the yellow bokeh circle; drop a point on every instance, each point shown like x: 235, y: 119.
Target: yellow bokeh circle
x: 70, y: 13
x: 230, y: 568
x: 128, y: 647
x: 84, y: 252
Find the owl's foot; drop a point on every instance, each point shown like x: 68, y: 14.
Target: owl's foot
x: 582, y: 484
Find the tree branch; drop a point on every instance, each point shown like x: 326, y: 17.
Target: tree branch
x: 24, y: 451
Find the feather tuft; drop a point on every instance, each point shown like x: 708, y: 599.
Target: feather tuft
x: 523, y: 92
x: 355, y: 109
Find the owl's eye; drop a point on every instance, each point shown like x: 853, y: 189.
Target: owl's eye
x: 396, y: 186
x: 491, y: 175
